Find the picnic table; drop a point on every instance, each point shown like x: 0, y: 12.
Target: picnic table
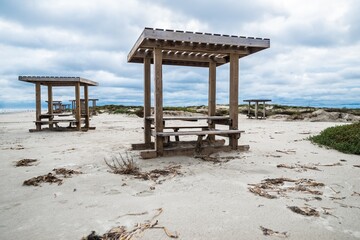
x: 256, y: 111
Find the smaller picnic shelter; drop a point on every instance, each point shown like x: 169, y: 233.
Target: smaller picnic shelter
x: 195, y: 49
x: 51, y: 118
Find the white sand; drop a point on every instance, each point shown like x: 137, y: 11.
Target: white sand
x: 209, y: 201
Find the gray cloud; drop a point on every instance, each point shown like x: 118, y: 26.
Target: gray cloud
x: 313, y: 57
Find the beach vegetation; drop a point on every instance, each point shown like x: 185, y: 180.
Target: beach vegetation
x: 344, y: 138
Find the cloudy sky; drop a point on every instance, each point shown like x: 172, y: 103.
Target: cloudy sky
x: 314, y: 58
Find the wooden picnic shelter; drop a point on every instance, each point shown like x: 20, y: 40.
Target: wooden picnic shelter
x: 52, y: 118
x: 196, y: 49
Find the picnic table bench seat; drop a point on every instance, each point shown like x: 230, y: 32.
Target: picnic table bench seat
x: 197, y: 133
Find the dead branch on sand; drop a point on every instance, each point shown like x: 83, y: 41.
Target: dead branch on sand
x: 216, y: 159
x: 275, y: 185
x: 286, y: 151
x: 298, y: 167
x: 121, y: 232
x: 329, y: 165
x: 306, y: 211
x: 65, y: 172
x: 25, y: 162
x: 50, y: 177
x: 269, y: 232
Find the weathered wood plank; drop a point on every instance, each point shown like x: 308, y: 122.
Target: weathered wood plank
x: 196, y: 133
x: 143, y: 146
x: 202, y: 38
x: 193, y: 118
x: 57, y: 81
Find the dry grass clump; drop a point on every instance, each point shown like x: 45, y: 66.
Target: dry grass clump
x: 127, y: 165
x: 121, y: 165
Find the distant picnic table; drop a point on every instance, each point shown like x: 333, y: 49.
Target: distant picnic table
x: 256, y: 111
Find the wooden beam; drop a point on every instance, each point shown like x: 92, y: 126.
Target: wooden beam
x: 234, y: 97
x: 87, y: 112
x: 77, y: 106
x: 147, y: 100
x: 38, y: 104
x: 57, y: 81
x: 173, y: 56
x: 158, y: 108
x: 194, y: 47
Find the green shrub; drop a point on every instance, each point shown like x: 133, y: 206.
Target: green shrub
x: 345, y: 138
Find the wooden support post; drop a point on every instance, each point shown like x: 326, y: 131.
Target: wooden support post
x: 159, y: 125
x: 249, y: 105
x: 256, y: 109
x: 147, y: 100
x: 212, y: 96
x: 264, y: 111
x: 234, y: 97
x: 87, y: 113
x: 93, y: 112
x: 77, y: 106
x: 50, y: 105
x: 38, y: 105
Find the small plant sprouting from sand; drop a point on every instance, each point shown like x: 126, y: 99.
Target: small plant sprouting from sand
x: 25, y: 162
x: 123, y: 165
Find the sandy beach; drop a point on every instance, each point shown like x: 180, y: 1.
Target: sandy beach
x: 205, y: 200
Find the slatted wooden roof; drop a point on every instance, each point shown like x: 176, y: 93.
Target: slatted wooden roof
x: 193, y: 48
x: 57, y: 81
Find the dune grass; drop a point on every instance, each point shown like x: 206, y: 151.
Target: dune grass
x: 345, y: 138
